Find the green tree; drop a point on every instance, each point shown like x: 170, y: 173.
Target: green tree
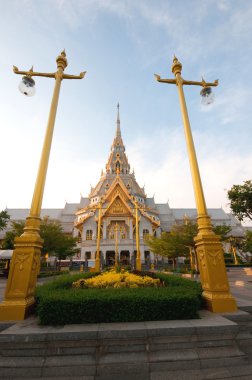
x: 56, y: 243
x: 4, y: 217
x: 168, y: 245
x: 17, y: 230
x: 186, y: 232
x: 222, y: 231
x: 247, y: 244
x: 180, y: 241
x: 189, y: 230
x: 240, y: 197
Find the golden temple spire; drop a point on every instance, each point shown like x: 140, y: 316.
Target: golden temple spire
x: 118, y: 129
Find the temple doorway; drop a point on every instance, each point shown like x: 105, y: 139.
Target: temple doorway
x: 147, y: 257
x: 110, y: 258
x: 125, y: 258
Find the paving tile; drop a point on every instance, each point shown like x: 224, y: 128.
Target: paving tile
x: 173, y: 355
x: 71, y: 360
x: 177, y: 375
x: 21, y: 362
x: 174, y: 365
x: 70, y: 372
x: 20, y: 373
x: 223, y: 362
x: 123, y: 357
x: 131, y: 376
x: 141, y: 369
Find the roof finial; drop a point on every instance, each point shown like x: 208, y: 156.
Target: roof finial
x: 118, y: 129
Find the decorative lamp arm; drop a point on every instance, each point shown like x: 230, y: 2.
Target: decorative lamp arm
x: 32, y: 73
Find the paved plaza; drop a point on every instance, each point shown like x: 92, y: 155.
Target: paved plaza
x: 240, y: 280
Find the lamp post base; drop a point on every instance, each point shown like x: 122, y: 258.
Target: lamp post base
x: 19, y: 295
x: 16, y: 310
x: 97, y: 265
x: 138, y: 264
x: 219, y: 303
x: 213, y: 274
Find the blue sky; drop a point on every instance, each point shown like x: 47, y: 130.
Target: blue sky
x: 121, y: 44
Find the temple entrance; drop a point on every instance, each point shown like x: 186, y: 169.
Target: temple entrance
x: 110, y: 258
x: 133, y: 260
x: 147, y: 257
x: 125, y: 258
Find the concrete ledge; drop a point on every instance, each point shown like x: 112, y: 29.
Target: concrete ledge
x: 30, y: 331
x: 125, y: 351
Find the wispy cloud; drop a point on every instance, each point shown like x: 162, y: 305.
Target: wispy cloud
x: 171, y: 178
x: 231, y: 105
x: 187, y: 28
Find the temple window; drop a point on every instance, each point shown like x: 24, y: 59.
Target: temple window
x: 146, y: 234
x: 117, y: 165
x: 122, y: 233
x: 89, y: 235
x: 87, y: 255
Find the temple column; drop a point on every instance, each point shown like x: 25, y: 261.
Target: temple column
x: 104, y: 235
x: 131, y: 230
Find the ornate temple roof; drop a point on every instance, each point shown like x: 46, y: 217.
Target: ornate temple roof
x: 117, y: 164
x: 117, y: 159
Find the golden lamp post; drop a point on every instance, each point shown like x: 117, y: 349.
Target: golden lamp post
x: 138, y: 255
x: 19, y: 294
x: 208, y: 246
x: 233, y: 249
x: 116, y: 244
x: 98, y: 256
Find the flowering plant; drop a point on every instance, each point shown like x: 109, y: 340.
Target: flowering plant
x: 113, y: 279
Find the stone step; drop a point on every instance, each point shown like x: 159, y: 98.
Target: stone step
x: 151, y: 345
x: 246, y: 307
x: 243, y: 372
x: 239, y: 372
x: 134, y: 351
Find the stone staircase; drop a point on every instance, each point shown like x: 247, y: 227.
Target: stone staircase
x: 243, y: 318
x: 213, y: 347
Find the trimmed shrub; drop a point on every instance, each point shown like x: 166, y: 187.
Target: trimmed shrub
x: 60, y: 283
x: 50, y: 274
x: 58, y: 304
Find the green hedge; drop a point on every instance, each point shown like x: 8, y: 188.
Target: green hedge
x: 244, y: 265
x: 59, y: 304
x: 50, y: 274
x: 62, y: 282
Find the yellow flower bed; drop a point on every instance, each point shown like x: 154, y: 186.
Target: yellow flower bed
x: 117, y: 280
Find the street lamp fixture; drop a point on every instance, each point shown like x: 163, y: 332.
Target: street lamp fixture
x: 207, y: 96
x: 27, y: 86
x: 209, y: 249
x: 19, y: 294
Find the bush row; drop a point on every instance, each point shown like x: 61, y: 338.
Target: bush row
x: 60, y: 283
x: 171, y: 280
x: 59, y: 304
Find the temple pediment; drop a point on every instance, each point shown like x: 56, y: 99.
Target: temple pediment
x: 117, y: 189
x: 118, y: 207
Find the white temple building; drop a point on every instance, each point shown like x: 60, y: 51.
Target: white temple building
x: 117, y: 193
